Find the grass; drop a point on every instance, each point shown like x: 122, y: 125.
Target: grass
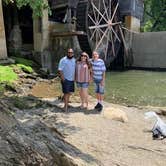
x: 7, y: 77
x: 26, y: 69
x: 7, y: 74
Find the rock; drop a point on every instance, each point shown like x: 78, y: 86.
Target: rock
x: 115, y: 114
x: 7, y: 120
x: 161, y: 111
x: 32, y: 142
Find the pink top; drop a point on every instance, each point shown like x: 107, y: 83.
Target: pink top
x: 82, y: 72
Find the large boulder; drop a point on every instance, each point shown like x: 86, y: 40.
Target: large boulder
x: 31, y: 142
x: 115, y: 114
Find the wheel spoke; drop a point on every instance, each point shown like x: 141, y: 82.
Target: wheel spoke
x: 98, y: 44
x: 115, y: 34
x: 94, y: 12
x: 130, y: 30
x: 103, y: 24
x: 106, y: 49
x: 96, y: 37
x: 99, y: 26
x: 105, y: 9
x: 114, y: 11
x: 105, y: 45
x: 105, y: 35
x: 99, y: 12
x: 98, y: 16
x: 110, y: 8
x: 93, y: 34
x: 112, y: 47
x: 91, y: 19
x: 115, y: 23
x: 99, y: 31
x: 101, y: 17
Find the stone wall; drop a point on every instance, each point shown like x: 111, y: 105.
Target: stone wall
x: 3, y: 50
x: 149, y: 50
x: 60, y: 44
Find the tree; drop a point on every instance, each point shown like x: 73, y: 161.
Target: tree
x: 154, y: 15
x: 36, y: 5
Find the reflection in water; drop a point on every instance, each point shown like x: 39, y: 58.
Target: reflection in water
x: 136, y: 87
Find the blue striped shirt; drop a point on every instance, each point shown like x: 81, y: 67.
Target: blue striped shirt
x: 98, y: 68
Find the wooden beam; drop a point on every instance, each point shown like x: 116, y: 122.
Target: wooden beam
x: 65, y: 34
x: 58, y: 6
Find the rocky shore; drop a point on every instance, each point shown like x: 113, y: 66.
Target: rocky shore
x: 35, y: 131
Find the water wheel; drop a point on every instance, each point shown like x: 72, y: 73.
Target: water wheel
x: 100, y: 20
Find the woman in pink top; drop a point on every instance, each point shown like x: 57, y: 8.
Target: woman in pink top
x: 83, y: 77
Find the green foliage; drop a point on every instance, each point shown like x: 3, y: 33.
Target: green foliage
x: 7, y: 77
x: 36, y: 5
x: 26, y: 69
x: 154, y: 15
x: 24, y: 64
x: 7, y: 74
x: 147, y: 26
x: 23, y: 61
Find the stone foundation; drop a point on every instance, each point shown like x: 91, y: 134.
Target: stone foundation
x: 149, y: 50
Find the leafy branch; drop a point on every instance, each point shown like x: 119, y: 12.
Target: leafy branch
x: 36, y: 5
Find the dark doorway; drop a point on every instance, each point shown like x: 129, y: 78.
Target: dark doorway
x: 26, y: 24
x: 23, y: 18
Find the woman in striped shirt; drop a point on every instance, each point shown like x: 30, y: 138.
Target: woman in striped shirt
x: 83, y: 77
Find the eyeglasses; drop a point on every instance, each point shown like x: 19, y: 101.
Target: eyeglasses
x: 70, y: 52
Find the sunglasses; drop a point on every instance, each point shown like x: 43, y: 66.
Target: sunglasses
x: 84, y: 55
x: 70, y: 52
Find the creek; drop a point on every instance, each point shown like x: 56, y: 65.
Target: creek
x: 132, y: 87
x: 136, y: 87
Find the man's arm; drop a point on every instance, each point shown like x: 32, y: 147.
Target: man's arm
x: 60, y: 70
x: 61, y: 75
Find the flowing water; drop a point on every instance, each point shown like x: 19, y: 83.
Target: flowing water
x: 136, y: 87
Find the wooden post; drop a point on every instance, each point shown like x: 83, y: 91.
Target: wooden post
x: 3, y: 50
x: 41, y: 31
x: 45, y: 29
x: 132, y: 23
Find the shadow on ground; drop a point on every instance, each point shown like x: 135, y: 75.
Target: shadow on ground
x: 37, y: 122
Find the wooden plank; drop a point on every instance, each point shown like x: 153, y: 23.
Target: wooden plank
x: 59, y: 6
x: 63, y: 34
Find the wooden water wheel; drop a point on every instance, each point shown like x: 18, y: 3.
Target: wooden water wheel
x: 100, y: 20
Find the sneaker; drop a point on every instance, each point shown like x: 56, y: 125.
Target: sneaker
x: 100, y: 108
x: 98, y: 105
